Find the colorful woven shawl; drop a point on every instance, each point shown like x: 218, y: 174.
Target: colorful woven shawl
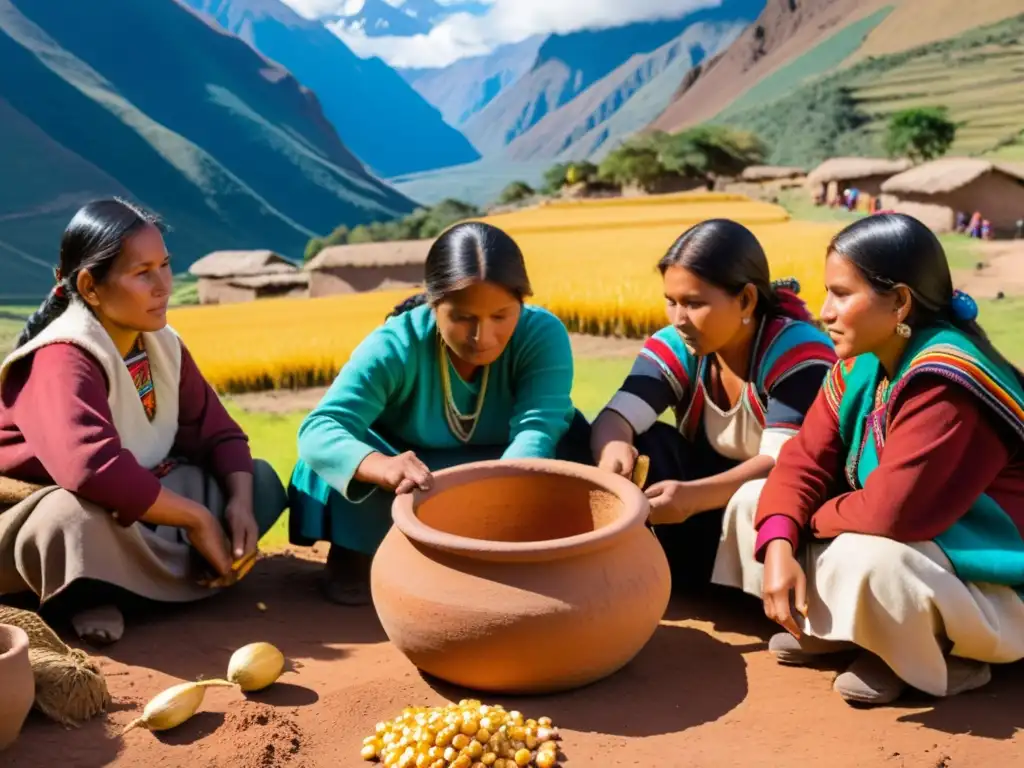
x: 782, y: 346
x: 985, y: 545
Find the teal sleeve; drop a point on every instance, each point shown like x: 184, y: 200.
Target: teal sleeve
x: 335, y: 437
x: 543, y: 372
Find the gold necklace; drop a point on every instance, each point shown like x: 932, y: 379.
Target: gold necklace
x: 455, y: 418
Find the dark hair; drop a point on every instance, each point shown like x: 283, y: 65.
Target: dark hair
x: 92, y: 240
x: 891, y: 249
x: 467, y: 253
x: 727, y: 255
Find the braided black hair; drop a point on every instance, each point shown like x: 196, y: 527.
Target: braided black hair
x: 92, y: 240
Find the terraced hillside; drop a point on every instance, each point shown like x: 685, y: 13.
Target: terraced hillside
x: 978, y: 76
x: 982, y: 86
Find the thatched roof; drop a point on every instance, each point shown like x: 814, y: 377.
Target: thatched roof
x: 771, y: 173
x: 282, y: 280
x: 398, y: 253
x: 947, y: 174
x: 849, y: 168
x: 239, y: 263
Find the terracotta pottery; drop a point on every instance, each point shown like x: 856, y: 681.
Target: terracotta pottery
x: 16, y: 682
x: 528, y: 576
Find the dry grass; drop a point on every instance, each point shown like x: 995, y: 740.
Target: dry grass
x: 593, y: 264
x: 917, y: 22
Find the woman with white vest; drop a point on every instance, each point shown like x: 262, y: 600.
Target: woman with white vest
x: 144, y: 484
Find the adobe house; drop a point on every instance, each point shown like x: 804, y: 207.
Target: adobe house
x: 230, y: 276
x: 366, y: 267
x: 273, y: 286
x: 934, y: 192
x: 866, y: 174
x: 773, y: 176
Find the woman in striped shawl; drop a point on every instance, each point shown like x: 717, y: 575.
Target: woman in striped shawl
x: 739, y: 365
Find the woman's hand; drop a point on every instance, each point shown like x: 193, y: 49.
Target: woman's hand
x: 242, y: 523
x: 618, y: 457
x: 402, y: 473
x: 672, y: 501
x: 238, y: 514
x: 206, y: 534
x: 783, y: 577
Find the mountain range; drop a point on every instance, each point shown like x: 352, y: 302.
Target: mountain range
x: 223, y: 143
x: 374, y: 110
x: 248, y: 125
x: 815, y: 78
x: 379, y: 18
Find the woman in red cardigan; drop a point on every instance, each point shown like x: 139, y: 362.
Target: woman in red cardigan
x: 147, y: 485
x: 893, y: 524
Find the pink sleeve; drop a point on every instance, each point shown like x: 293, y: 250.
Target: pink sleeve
x: 207, y: 435
x: 59, y: 403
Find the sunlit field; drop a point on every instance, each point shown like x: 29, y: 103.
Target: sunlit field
x: 592, y: 263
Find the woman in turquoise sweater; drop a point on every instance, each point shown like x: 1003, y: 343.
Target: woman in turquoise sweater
x: 464, y: 372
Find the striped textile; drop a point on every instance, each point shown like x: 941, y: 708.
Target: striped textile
x: 137, y: 361
x: 666, y: 375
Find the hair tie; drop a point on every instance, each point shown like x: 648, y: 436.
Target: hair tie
x: 789, y: 283
x: 964, y: 307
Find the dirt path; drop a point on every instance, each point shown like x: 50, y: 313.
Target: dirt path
x: 1003, y: 271
x: 704, y: 693
x: 290, y: 401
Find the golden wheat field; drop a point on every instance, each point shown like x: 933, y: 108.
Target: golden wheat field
x: 592, y: 263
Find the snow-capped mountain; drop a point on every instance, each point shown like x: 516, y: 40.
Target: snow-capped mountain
x: 394, y: 18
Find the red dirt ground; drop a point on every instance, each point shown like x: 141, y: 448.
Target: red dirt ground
x: 704, y: 693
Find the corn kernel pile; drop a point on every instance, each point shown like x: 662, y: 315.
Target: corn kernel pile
x: 464, y: 735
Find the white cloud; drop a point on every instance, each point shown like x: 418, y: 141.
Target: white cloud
x: 508, y: 21
x: 315, y: 9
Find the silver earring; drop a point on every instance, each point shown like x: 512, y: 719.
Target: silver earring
x: 902, y: 329
x: 746, y: 321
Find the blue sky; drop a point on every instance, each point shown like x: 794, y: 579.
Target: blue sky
x: 490, y: 23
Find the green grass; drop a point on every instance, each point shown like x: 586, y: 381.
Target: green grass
x: 273, y: 437
x: 1003, y: 321
x: 186, y: 290
x: 12, y: 320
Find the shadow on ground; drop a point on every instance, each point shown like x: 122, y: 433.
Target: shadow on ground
x: 681, y: 679
x: 993, y: 712
x: 727, y: 610
x: 297, y: 620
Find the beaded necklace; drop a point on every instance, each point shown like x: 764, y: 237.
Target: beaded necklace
x: 461, y: 425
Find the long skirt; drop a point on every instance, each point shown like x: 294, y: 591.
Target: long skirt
x: 53, y: 539
x: 902, y: 602
x: 320, y: 513
x: 696, y: 549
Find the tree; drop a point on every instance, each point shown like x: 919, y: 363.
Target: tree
x: 515, y: 192
x: 582, y: 172
x: 313, y: 247
x: 554, y: 179
x: 632, y: 163
x: 710, y: 150
x: 920, y: 134
x: 338, y: 237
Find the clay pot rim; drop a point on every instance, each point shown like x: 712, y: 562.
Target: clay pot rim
x: 634, y: 513
x: 18, y: 641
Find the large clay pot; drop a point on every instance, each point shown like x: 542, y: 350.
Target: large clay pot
x: 16, y: 683
x: 527, y: 576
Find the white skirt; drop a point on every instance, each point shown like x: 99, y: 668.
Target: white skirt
x: 902, y: 602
